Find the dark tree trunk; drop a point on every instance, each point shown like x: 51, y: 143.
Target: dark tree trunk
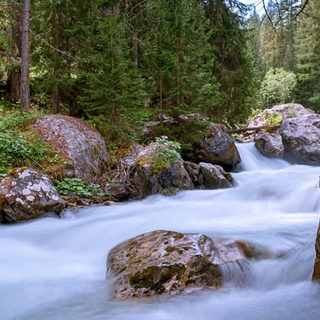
x: 55, y: 98
x: 25, y: 84
x: 135, y: 48
x: 15, y: 75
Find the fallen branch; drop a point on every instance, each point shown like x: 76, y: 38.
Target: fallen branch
x: 252, y: 129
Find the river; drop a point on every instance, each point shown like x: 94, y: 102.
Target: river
x: 55, y: 269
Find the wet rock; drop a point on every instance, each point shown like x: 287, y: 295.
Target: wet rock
x: 27, y: 194
x: 217, y: 147
x: 154, y: 175
x: 110, y: 203
x: 270, y: 145
x: 166, y: 262
x: 118, y: 191
x: 77, y: 142
x: 301, y: 139
x: 214, y: 177
x: 272, y: 117
x: 316, y: 271
x: 196, y: 176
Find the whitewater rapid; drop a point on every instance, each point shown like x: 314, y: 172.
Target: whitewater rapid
x: 55, y: 269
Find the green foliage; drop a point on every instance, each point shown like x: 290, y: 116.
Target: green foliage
x: 79, y: 187
x: 165, y: 155
x: 15, y: 149
x: 19, y: 148
x: 277, y: 86
x: 272, y: 117
x: 308, y: 56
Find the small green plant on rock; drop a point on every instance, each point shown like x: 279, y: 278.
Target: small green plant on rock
x: 165, y: 155
x: 79, y: 187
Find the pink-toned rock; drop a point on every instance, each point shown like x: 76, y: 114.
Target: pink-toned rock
x: 77, y: 142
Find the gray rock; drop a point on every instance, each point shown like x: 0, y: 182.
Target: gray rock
x: 193, y: 170
x: 217, y: 147
x: 272, y: 116
x: 301, y: 139
x: 270, y: 145
x: 27, y: 194
x: 77, y: 142
x: 168, y: 179
x: 214, y: 176
x: 118, y: 191
x: 169, y: 262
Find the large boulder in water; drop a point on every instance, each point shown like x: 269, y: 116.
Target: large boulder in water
x: 77, y: 142
x: 316, y: 271
x: 169, y: 262
x: 272, y: 117
x: 270, y: 145
x: 216, y: 147
x: 156, y: 173
x: 27, y: 194
x: 301, y: 139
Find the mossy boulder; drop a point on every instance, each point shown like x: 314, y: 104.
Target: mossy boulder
x: 167, y: 262
x: 83, y: 148
x: 156, y: 174
x: 27, y: 194
x: 272, y: 117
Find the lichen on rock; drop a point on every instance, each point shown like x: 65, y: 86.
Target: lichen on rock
x: 27, y: 194
x: 76, y: 141
x: 167, y: 262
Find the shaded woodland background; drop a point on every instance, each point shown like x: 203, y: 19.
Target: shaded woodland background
x: 118, y: 64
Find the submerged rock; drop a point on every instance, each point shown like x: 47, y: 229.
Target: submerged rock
x: 27, y: 194
x: 214, y: 177
x: 170, y: 262
x: 301, y: 139
x: 270, y: 145
x: 77, y: 142
x: 154, y: 175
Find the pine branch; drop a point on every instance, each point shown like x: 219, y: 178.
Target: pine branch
x: 301, y: 10
x: 54, y: 48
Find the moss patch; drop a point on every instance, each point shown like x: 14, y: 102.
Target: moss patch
x: 154, y: 277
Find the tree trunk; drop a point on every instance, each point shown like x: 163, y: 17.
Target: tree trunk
x: 25, y: 84
x: 135, y: 48
x: 178, y: 67
x: 202, y: 5
x: 15, y: 75
x: 55, y: 97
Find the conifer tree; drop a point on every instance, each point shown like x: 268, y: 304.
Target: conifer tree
x: 308, y: 55
x: 113, y: 88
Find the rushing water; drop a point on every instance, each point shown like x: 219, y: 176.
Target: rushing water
x: 55, y: 268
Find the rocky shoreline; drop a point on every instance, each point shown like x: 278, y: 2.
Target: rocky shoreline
x: 160, y: 261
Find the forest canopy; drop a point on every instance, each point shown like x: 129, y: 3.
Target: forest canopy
x: 118, y: 63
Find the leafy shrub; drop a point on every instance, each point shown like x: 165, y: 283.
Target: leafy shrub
x: 277, y: 86
x: 165, y: 155
x: 78, y: 186
x: 18, y: 149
